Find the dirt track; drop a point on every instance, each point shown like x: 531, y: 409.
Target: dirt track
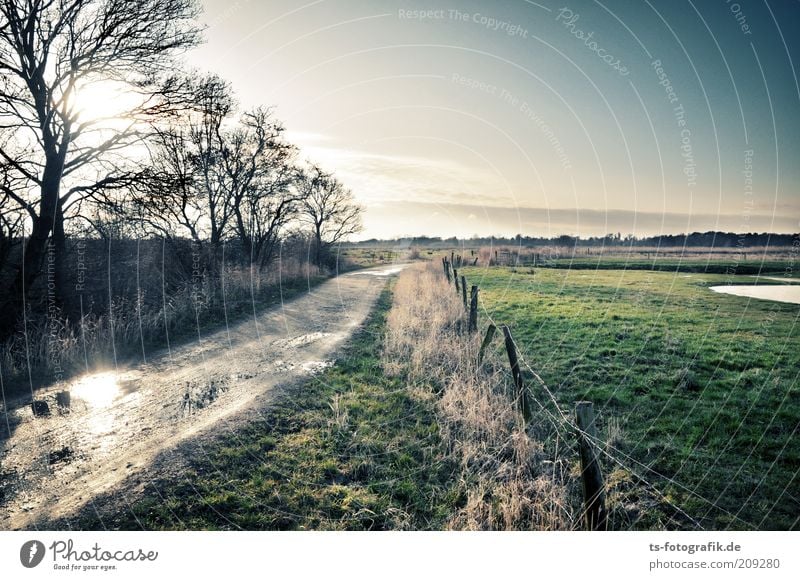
x: 119, y: 421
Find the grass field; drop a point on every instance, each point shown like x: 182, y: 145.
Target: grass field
x: 697, y: 390
x: 673, y: 264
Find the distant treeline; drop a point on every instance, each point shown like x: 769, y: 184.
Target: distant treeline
x: 719, y: 240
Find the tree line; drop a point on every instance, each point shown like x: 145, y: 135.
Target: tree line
x: 179, y: 161
x: 713, y: 239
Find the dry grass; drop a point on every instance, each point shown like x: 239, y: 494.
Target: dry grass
x: 507, y: 480
x: 55, y: 349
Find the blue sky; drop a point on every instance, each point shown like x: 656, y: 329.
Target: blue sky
x: 542, y: 118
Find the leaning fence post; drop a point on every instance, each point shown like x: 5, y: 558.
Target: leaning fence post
x: 447, y: 270
x: 464, y: 291
x: 486, y: 339
x: 455, y: 278
x: 594, y: 500
x: 473, y: 310
x: 516, y: 373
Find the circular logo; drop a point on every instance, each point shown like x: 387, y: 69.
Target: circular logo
x: 31, y: 553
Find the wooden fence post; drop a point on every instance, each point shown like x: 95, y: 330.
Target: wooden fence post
x: 63, y: 399
x: 487, y: 340
x: 464, y: 291
x: 594, y: 497
x: 521, y: 394
x: 447, y: 270
x: 455, y: 278
x: 473, y: 310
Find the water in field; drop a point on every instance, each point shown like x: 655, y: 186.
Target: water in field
x: 790, y: 294
x: 784, y: 279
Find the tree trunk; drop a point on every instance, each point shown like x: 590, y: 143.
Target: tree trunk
x: 35, y: 248
x: 318, y: 240
x: 64, y: 296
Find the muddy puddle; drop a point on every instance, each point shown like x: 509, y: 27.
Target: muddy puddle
x: 387, y: 271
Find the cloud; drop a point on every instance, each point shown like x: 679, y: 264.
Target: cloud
x: 304, y: 139
x: 381, y: 178
x: 408, y: 195
x: 410, y: 218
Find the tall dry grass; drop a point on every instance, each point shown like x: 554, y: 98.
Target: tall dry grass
x: 508, y: 481
x: 50, y: 348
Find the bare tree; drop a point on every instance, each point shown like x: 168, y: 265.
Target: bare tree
x: 185, y: 193
x: 330, y: 209
x: 261, y: 165
x: 214, y: 179
x: 51, y: 53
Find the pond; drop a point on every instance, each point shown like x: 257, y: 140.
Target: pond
x: 776, y: 293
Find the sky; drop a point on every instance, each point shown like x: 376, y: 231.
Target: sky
x: 468, y: 118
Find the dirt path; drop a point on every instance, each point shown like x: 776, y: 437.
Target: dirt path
x: 119, y: 421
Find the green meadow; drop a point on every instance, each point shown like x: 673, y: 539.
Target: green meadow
x: 696, y: 392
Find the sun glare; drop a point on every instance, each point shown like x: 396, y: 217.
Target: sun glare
x: 99, y: 390
x: 105, y: 102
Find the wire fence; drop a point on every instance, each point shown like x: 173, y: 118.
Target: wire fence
x: 538, y: 406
